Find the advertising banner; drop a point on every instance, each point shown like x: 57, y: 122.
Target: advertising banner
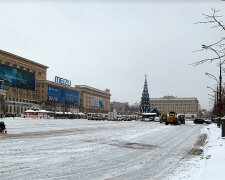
x: 14, y: 77
x: 60, y: 95
x: 1, y: 84
x: 97, y: 102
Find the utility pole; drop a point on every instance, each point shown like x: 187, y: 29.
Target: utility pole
x: 220, y: 94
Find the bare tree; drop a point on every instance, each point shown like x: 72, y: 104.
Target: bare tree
x: 217, y: 47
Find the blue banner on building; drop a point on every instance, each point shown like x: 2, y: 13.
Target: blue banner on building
x: 60, y: 95
x: 1, y: 84
x: 14, y: 77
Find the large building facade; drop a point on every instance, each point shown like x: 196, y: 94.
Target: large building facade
x: 23, y: 86
x: 20, y: 78
x: 93, y: 100
x: 179, y: 105
x: 57, y: 97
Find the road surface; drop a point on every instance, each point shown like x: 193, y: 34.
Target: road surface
x: 82, y: 149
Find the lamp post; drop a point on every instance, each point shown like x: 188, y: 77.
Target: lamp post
x: 220, y: 82
x: 219, y: 100
x: 214, y: 109
x: 211, y: 76
x: 216, y: 98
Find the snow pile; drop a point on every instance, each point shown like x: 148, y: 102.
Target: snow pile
x: 211, y: 164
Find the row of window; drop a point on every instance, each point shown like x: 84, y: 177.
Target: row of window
x: 174, y: 109
x: 17, y: 110
x: 174, y: 102
x: 19, y: 100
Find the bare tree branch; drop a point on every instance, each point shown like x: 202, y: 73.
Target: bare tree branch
x: 217, y: 47
x: 212, y: 19
x: 208, y: 60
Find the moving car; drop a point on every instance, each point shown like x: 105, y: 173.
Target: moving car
x: 181, y: 118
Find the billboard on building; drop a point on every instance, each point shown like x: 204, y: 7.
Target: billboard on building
x: 60, y: 95
x: 14, y: 77
x: 1, y: 84
x: 97, y: 102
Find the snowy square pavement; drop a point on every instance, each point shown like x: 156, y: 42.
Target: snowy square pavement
x: 82, y: 149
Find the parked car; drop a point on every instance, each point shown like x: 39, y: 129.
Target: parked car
x: 120, y: 118
x: 208, y: 121
x: 199, y: 121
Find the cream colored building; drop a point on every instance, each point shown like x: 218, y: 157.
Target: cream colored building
x: 20, y: 77
x: 179, y: 105
x: 43, y: 89
x: 26, y: 87
x: 93, y: 100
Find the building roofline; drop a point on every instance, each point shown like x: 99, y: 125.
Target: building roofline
x: 95, y: 89
x: 190, y: 98
x: 16, y: 56
x: 58, y: 85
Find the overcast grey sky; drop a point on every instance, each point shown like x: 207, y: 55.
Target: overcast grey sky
x: 113, y: 44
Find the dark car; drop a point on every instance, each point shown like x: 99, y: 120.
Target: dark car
x: 199, y: 121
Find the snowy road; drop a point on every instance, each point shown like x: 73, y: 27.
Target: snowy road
x: 82, y: 149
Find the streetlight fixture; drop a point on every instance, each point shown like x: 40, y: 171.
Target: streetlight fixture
x: 211, y: 76
x: 212, y: 89
x: 216, y: 98
x: 219, y: 82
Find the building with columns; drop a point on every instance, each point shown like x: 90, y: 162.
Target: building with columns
x: 25, y: 87
x: 186, y: 105
x: 93, y: 100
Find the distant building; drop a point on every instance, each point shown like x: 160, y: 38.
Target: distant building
x: 57, y: 97
x: 120, y: 107
x: 179, y: 105
x: 93, y: 100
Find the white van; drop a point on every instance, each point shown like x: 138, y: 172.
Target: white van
x: 156, y: 119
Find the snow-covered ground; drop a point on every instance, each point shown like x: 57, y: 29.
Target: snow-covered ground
x: 82, y: 149
x: 211, y: 164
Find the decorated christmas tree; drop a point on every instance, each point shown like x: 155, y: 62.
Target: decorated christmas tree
x: 145, y: 101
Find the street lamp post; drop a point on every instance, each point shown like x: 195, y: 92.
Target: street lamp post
x: 216, y: 98
x: 220, y: 81
x: 220, y: 92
